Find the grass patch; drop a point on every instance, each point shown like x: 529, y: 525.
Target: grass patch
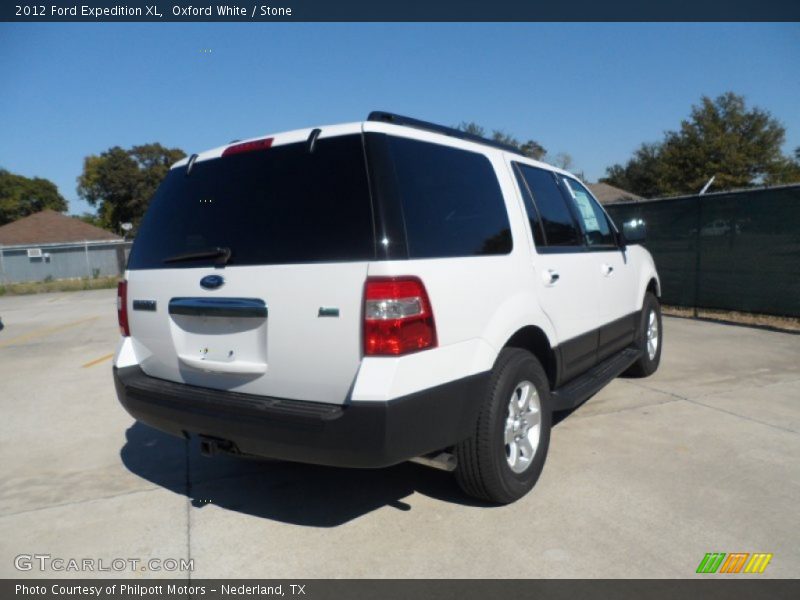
x: 58, y: 285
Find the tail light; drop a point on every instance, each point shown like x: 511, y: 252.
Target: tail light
x: 122, y: 308
x: 398, y: 318
x: 262, y: 144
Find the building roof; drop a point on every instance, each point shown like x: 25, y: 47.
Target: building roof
x: 608, y: 194
x: 50, y: 227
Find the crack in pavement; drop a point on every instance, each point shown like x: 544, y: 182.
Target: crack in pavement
x: 577, y: 415
x: 84, y: 501
x: 722, y: 410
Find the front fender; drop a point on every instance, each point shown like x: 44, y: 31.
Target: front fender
x: 646, y: 272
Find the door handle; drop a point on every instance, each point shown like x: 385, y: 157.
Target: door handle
x: 607, y: 269
x: 550, y: 277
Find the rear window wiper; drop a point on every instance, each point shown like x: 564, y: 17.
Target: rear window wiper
x: 221, y: 253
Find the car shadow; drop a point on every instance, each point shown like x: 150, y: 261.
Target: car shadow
x: 294, y: 493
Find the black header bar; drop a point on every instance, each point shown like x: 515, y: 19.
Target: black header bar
x: 401, y: 10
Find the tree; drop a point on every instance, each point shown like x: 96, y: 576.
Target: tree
x: 531, y: 148
x: 562, y: 160
x: 472, y: 128
x: 785, y: 171
x: 741, y: 147
x: 121, y: 182
x: 22, y: 196
x: 642, y: 175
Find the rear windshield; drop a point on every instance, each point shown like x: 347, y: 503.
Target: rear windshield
x: 281, y: 205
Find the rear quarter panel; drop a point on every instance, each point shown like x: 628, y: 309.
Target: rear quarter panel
x: 479, y: 302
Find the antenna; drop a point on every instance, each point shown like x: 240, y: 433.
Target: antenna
x: 707, y: 185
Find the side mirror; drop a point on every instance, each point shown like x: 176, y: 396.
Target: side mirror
x: 634, y: 231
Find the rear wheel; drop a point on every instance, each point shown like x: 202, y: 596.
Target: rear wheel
x: 506, y: 453
x: 650, y: 338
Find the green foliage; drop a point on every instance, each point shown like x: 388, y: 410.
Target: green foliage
x: 643, y: 173
x: 531, y: 148
x: 121, y: 182
x: 741, y: 147
x: 22, y: 196
x: 786, y: 170
x: 472, y: 127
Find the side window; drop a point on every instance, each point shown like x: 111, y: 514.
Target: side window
x: 595, y: 223
x: 451, y: 199
x: 530, y: 208
x: 556, y: 218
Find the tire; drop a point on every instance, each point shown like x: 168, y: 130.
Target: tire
x: 484, y: 469
x: 648, y: 362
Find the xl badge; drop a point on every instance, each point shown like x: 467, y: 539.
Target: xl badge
x: 212, y: 282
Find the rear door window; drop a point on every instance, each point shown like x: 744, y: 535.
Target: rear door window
x: 451, y: 200
x: 558, y: 223
x: 280, y: 205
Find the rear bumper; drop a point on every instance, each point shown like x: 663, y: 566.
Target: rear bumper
x: 357, y: 434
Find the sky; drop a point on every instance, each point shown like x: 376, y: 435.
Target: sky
x: 595, y: 91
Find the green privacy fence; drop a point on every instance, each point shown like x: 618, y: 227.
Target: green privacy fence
x: 730, y: 250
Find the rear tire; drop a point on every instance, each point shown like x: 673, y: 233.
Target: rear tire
x: 650, y: 339
x: 504, y: 457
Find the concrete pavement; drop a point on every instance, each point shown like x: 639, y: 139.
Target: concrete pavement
x: 641, y: 481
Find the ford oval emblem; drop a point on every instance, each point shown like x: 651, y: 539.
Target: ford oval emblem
x: 212, y: 282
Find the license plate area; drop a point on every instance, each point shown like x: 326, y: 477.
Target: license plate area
x: 220, y: 335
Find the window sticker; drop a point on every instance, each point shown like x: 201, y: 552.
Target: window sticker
x: 587, y: 213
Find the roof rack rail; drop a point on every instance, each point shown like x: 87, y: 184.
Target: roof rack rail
x: 387, y: 117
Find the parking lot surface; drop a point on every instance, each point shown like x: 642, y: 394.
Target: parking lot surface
x: 641, y: 481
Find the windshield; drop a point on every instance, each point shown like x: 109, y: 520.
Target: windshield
x: 281, y: 205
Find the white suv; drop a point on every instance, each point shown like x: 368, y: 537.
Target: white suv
x: 364, y: 294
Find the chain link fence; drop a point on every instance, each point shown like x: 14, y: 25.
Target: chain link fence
x: 729, y: 250
x: 46, y: 262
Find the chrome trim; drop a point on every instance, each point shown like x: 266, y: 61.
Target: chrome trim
x: 218, y: 307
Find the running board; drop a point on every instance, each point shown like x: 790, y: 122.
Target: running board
x: 584, y: 386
